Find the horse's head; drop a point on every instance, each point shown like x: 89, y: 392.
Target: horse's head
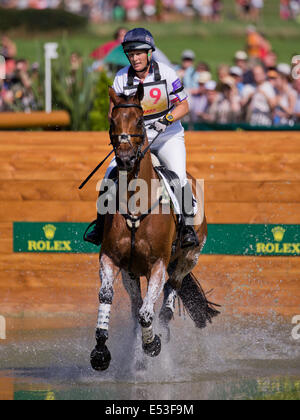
x: 127, y: 130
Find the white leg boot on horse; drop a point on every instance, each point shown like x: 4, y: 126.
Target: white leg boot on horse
x: 100, y: 357
x: 151, y: 342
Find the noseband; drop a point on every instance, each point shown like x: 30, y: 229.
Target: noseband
x: 125, y: 138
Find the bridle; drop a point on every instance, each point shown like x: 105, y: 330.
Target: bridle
x: 125, y: 138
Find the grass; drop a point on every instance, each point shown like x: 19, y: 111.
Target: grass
x: 214, y: 43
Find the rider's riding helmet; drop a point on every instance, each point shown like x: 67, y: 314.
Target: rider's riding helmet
x: 138, y: 39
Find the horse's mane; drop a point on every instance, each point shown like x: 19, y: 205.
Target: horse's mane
x: 125, y: 97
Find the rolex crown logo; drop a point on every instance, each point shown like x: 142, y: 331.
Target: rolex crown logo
x: 278, y: 233
x: 49, y: 231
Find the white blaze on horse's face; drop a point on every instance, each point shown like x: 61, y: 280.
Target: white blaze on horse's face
x: 124, y: 138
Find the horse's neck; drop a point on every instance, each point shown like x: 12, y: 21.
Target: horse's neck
x: 146, y: 169
x: 146, y: 173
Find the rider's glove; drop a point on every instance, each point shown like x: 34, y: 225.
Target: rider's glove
x: 161, y: 125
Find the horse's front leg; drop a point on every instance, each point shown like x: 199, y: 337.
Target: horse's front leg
x: 100, y: 357
x: 151, y: 342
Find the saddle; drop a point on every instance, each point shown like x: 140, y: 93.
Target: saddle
x: 171, y: 182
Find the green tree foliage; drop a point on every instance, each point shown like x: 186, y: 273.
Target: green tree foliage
x: 73, y: 89
x: 98, y: 115
x: 41, y: 20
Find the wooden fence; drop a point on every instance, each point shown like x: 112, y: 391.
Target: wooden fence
x: 249, y: 178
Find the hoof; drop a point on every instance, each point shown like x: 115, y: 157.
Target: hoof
x: 165, y: 316
x: 100, y: 359
x: 153, y: 349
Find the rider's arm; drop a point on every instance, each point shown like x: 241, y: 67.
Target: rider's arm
x: 181, y: 110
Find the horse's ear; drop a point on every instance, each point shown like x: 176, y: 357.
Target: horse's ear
x: 139, y: 96
x: 113, y: 96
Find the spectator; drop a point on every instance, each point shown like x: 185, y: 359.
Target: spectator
x: 149, y: 9
x: 259, y: 101
x: 16, y: 92
x: 241, y: 61
x: 222, y: 107
x: 243, y: 9
x: 206, y: 10
x: 229, y: 110
x: 198, y: 98
x: 286, y: 97
x: 237, y: 74
x: 132, y: 9
x: 296, y: 86
x: 285, y: 11
x: 101, y: 52
x: 295, y: 8
x: 256, y: 8
x: 187, y: 72
x: 210, y: 112
x: 180, y: 6
x: 217, y: 8
x: 8, y: 48
x: 258, y: 46
x: 223, y: 72
x: 270, y: 61
x: 202, y: 66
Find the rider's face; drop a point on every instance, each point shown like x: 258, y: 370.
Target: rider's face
x: 138, y: 60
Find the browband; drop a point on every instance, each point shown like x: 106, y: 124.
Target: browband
x: 128, y: 106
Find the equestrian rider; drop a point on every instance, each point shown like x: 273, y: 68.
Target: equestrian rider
x: 164, y: 104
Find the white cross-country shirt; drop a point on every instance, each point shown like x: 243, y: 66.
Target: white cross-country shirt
x: 159, y: 97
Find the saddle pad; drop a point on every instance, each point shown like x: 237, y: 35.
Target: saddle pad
x: 170, y: 178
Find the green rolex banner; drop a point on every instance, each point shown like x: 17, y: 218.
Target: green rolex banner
x: 228, y: 239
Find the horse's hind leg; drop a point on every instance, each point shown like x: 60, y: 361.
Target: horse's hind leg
x: 151, y: 342
x: 168, y: 308
x: 100, y: 357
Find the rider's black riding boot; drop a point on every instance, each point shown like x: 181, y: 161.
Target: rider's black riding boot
x: 189, y: 236
x: 95, y: 237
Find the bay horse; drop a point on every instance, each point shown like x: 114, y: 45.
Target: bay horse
x: 140, y: 245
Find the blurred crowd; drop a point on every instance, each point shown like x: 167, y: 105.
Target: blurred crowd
x: 259, y: 93
x: 249, y: 9
x: 255, y: 89
x: 131, y: 10
x: 17, y: 89
x: 289, y: 9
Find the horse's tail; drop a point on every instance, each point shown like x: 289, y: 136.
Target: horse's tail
x: 195, y: 302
